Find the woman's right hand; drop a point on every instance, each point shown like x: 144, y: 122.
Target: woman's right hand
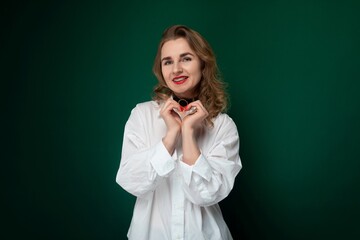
x: 172, y: 122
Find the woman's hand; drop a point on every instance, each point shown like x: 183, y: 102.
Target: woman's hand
x: 172, y: 122
x: 190, y: 126
x: 195, y: 120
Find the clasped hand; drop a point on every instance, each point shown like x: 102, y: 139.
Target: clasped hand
x: 171, y: 111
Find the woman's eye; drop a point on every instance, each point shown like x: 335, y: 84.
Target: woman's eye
x: 186, y: 59
x: 167, y: 62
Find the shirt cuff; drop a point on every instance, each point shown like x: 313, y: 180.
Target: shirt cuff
x: 161, y: 160
x: 201, y: 167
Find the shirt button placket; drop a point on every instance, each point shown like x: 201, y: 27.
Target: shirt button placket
x: 178, y: 210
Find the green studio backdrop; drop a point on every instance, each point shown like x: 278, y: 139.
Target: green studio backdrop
x: 72, y: 71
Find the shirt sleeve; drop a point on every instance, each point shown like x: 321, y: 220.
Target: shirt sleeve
x: 142, y: 167
x: 212, y: 177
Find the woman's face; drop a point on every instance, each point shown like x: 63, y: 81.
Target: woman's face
x: 180, y: 67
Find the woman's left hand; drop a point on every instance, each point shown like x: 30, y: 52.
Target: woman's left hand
x: 195, y: 120
x: 191, y: 124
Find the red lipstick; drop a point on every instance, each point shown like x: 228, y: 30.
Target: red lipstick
x: 180, y: 79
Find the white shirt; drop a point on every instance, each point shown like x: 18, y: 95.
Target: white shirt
x: 175, y: 200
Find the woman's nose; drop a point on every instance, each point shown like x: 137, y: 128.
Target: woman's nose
x: 177, y: 68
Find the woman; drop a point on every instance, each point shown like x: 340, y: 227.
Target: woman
x: 180, y: 152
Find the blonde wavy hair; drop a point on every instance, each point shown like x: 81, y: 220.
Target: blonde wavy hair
x: 211, y: 89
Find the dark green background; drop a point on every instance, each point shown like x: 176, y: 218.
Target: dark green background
x: 72, y: 71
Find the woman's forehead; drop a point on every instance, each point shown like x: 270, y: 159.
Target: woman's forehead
x: 174, y: 48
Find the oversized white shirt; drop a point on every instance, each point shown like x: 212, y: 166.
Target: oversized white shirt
x: 175, y: 200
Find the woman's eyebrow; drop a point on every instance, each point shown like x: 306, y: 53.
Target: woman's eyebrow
x: 187, y: 53
x: 181, y: 55
x: 165, y: 58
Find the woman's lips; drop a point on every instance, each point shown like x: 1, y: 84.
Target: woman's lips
x: 180, y: 80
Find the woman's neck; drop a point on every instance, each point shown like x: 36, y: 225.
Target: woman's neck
x: 183, y: 101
